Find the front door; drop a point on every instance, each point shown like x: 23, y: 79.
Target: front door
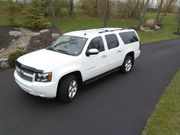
x: 94, y: 65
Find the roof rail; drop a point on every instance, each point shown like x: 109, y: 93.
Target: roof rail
x: 110, y: 30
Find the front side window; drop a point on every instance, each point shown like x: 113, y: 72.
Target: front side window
x: 96, y: 43
x: 129, y: 37
x: 70, y: 45
x: 112, y: 41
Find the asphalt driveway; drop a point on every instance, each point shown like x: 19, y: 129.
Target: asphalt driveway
x: 115, y: 105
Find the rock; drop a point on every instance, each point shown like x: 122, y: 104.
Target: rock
x: 44, y: 31
x: 55, y: 35
x: 142, y: 28
x: 37, y: 41
x: 15, y: 33
x: 2, y: 50
x: 35, y: 34
x: 148, y: 30
x: 4, y: 64
x: 156, y: 27
x: 21, y: 47
x: 13, y: 40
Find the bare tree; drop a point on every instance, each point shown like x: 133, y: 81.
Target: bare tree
x: 106, y: 13
x: 52, y: 13
x: 178, y: 17
x: 142, y: 5
x: 135, y: 8
x: 166, y: 10
x: 71, y: 7
x: 159, y: 11
x: 96, y: 7
x: 143, y: 14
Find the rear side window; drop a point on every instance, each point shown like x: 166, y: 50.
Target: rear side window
x: 129, y: 37
x: 112, y: 41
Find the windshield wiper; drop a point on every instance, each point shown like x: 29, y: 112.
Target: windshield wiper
x: 62, y: 51
x: 50, y: 48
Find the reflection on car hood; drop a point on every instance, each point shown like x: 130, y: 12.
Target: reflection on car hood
x: 44, y: 59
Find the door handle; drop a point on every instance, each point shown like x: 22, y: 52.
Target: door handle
x: 104, y: 56
x: 119, y: 51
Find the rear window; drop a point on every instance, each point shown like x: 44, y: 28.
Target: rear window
x: 129, y: 37
x: 112, y: 41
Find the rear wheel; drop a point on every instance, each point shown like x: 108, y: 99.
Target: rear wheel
x: 67, y: 88
x: 127, y: 65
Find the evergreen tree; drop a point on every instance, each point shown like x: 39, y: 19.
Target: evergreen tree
x: 12, y: 9
x: 35, y: 15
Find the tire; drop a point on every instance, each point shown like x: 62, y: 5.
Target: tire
x: 127, y: 65
x: 67, y: 88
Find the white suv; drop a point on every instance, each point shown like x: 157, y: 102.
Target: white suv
x: 76, y: 57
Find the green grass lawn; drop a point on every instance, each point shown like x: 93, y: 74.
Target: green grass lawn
x: 66, y: 24
x: 166, y: 118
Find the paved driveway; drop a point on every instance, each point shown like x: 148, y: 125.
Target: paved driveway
x: 115, y: 105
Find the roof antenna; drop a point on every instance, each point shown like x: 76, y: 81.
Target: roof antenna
x: 85, y: 34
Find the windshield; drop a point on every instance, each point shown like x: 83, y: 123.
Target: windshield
x: 70, y: 45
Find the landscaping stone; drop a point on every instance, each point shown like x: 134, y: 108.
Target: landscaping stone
x: 15, y: 33
x: 2, y: 50
x: 4, y: 64
x: 156, y: 27
x: 35, y: 34
x: 55, y: 35
x: 44, y: 31
x: 43, y: 40
x: 142, y: 28
x: 5, y: 38
x: 37, y: 41
x: 17, y: 44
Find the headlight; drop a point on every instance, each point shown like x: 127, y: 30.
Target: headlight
x: 43, y: 77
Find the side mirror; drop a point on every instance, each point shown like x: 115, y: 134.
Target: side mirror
x: 92, y: 52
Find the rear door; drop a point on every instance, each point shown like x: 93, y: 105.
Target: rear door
x: 114, y: 51
x: 131, y: 41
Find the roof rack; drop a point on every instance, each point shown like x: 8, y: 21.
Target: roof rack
x: 110, y: 30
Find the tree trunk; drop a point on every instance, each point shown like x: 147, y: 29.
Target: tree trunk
x: 142, y: 5
x: 71, y: 7
x: 165, y: 13
x: 96, y: 8
x: 135, y: 8
x: 143, y: 14
x: 106, y: 14
x: 159, y: 11
x: 178, y: 16
x: 52, y: 13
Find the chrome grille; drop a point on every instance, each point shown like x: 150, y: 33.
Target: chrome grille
x: 28, y: 76
x: 20, y: 67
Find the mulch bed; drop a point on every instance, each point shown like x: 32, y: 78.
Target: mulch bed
x: 41, y: 41
x: 5, y: 39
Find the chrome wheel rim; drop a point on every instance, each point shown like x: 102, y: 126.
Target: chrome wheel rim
x: 128, y: 65
x: 72, y: 89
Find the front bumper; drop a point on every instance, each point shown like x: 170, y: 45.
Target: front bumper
x: 47, y: 90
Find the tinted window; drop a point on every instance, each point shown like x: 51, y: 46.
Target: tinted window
x: 129, y: 37
x: 112, y: 41
x: 97, y: 43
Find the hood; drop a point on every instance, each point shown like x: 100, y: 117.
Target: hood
x: 44, y: 59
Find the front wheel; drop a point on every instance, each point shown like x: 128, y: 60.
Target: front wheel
x: 67, y: 88
x: 127, y: 65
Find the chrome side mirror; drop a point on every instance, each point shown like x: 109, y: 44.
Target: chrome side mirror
x: 92, y: 52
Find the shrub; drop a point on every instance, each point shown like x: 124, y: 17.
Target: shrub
x: 12, y: 9
x: 35, y: 16
x: 14, y: 56
x: 150, y: 24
